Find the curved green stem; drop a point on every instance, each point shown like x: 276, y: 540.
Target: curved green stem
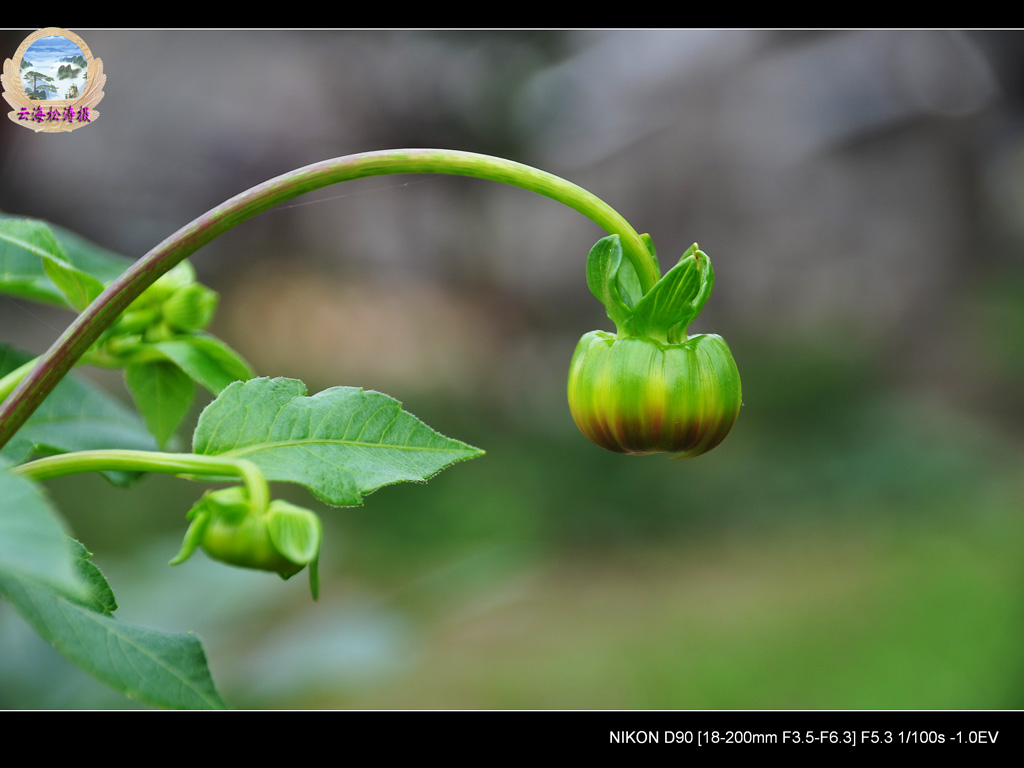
x: 99, y: 315
x: 152, y: 461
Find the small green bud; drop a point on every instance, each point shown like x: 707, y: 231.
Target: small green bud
x: 284, y: 539
x: 166, y: 285
x: 190, y: 308
x: 247, y: 543
x: 137, y: 321
x: 159, y: 331
x: 126, y: 345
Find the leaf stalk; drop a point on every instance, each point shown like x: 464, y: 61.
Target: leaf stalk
x: 182, y: 464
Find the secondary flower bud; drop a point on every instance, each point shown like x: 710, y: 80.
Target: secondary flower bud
x: 165, y: 286
x: 190, y: 308
x: 246, y: 542
x: 284, y: 539
x: 637, y: 395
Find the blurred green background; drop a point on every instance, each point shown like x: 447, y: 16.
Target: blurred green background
x: 855, y: 542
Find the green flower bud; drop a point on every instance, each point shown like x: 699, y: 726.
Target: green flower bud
x: 651, y: 388
x: 638, y: 395
x: 284, y: 539
x: 190, y: 308
x: 246, y: 543
x: 166, y: 285
x: 174, y: 305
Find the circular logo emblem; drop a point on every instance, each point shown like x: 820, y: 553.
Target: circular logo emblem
x: 53, y: 83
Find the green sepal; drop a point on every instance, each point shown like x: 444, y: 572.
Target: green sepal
x: 649, y: 243
x: 314, y: 577
x: 295, y: 531
x: 628, y: 280
x: 605, y: 265
x: 628, y: 283
x: 190, y: 308
x: 230, y: 504
x: 677, y: 333
x: 676, y: 299
x: 670, y: 301
x: 200, y: 517
x: 297, y: 534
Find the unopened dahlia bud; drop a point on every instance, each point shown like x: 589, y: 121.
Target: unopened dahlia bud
x: 166, y: 285
x: 190, y: 308
x: 284, y: 539
x: 637, y: 395
x: 650, y: 388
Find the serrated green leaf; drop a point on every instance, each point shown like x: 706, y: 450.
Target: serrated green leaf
x: 165, y: 670
x: 207, y: 360
x: 341, y: 443
x: 163, y: 393
x: 50, y: 581
x: 75, y: 417
x: 33, y: 544
x: 35, y: 264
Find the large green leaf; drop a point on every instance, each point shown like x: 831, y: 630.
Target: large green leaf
x: 341, y: 443
x: 33, y: 544
x: 50, y: 581
x: 165, y: 670
x: 46, y: 263
x: 75, y: 417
